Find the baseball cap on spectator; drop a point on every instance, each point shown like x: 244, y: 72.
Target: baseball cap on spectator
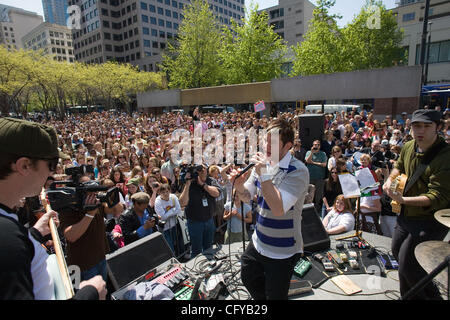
x: 385, y: 142
x: 134, y: 181
x: 426, y: 116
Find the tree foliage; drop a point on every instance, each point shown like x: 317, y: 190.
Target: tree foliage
x: 192, y: 61
x: 251, y: 51
x: 30, y: 78
x: 371, y: 40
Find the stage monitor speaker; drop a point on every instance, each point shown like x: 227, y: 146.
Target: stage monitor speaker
x: 315, y: 238
x: 311, y: 127
x: 135, y: 259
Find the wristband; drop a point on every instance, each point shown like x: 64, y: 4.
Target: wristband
x: 89, y: 216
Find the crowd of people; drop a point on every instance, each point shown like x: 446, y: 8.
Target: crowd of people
x: 196, y: 202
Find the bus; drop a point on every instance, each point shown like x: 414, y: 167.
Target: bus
x: 436, y: 95
x: 332, y: 108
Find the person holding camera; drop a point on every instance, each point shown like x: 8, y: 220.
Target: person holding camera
x: 198, y: 198
x: 28, y: 155
x: 138, y: 221
x: 85, y: 233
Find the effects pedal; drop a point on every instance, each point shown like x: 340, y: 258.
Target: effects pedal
x: 353, y: 264
x: 302, y: 267
x: 327, y: 265
x: 185, y: 292
x: 318, y: 257
x: 352, y: 254
x: 336, y: 258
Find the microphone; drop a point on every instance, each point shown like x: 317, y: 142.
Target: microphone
x: 251, y: 165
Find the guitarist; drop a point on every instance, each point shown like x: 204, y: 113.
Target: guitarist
x: 429, y: 193
x: 28, y: 155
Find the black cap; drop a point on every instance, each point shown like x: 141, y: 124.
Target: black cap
x: 426, y: 116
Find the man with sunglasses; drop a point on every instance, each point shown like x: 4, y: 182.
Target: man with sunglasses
x: 28, y: 155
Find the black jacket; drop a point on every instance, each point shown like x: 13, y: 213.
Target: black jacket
x: 129, y: 222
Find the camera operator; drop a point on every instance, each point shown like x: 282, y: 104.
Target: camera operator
x: 85, y: 233
x: 198, y: 198
x: 138, y: 221
x: 28, y: 155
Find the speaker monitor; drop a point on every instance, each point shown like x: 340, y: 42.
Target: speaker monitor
x: 311, y: 127
x: 136, y: 259
x: 315, y: 238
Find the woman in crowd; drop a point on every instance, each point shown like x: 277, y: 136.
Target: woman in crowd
x: 332, y: 188
x: 340, y: 218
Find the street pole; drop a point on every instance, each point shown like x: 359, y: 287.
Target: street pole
x: 425, y: 81
x: 422, y: 46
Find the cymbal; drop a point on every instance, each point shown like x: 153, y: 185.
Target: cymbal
x: 430, y: 254
x: 443, y: 216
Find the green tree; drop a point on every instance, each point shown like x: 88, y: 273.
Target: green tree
x: 193, y: 61
x: 373, y: 39
x: 321, y: 50
x: 252, y: 51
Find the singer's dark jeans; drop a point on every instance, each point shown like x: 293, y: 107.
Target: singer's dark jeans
x: 266, y: 278
x: 407, y: 235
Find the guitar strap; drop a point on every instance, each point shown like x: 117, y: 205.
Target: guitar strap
x: 429, y: 156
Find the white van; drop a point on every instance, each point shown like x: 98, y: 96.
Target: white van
x: 331, y: 108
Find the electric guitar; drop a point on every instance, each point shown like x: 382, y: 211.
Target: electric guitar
x: 398, y: 186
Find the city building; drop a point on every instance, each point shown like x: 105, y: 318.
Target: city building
x: 53, y: 39
x: 55, y: 11
x: 14, y: 24
x: 290, y: 19
x: 410, y: 15
x: 136, y: 31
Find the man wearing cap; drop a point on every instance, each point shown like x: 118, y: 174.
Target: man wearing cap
x: 138, y: 221
x: 430, y: 193
x: 28, y: 155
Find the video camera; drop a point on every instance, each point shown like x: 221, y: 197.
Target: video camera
x: 73, y: 194
x: 191, y: 169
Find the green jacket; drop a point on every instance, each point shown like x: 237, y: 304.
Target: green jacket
x: 434, y: 182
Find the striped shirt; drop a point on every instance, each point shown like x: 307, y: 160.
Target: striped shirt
x: 279, y: 237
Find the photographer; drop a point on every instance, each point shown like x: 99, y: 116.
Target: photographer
x: 85, y: 233
x: 198, y: 198
x: 138, y: 221
x: 28, y: 155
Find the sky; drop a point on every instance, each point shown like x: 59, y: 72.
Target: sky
x: 347, y: 8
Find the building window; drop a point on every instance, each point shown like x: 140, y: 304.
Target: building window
x: 145, y: 30
x: 409, y: 16
x: 144, y: 6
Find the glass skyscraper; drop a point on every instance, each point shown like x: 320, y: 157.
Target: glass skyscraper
x: 55, y: 11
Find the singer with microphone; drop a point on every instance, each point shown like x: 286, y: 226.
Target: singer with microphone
x: 281, y: 186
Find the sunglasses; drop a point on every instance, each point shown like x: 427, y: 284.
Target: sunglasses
x: 52, y: 163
